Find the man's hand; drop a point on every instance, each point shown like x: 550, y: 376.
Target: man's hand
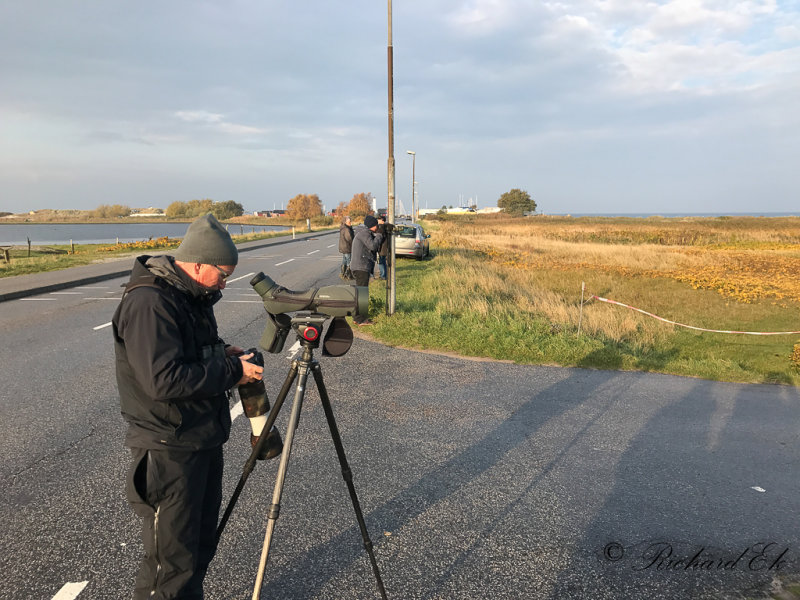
x: 381, y: 220
x: 250, y: 372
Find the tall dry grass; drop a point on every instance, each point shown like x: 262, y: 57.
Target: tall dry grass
x: 537, y: 265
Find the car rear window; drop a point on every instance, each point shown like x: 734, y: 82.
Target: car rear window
x: 408, y: 232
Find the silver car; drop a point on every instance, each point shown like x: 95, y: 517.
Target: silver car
x: 410, y: 240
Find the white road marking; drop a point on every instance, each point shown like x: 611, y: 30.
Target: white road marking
x: 236, y: 410
x: 103, y: 326
x: 65, y: 293
x: 312, y: 252
x: 293, y: 350
x: 284, y: 262
x: 242, y: 277
x: 70, y: 591
x: 105, y: 298
x: 35, y: 299
x: 331, y: 246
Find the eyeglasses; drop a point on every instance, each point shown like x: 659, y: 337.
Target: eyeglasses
x: 222, y: 273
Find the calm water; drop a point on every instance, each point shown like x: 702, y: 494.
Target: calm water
x: 43, y: 234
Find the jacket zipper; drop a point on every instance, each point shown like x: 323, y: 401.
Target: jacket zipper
x: 158, y: 559
x: 155, y: 534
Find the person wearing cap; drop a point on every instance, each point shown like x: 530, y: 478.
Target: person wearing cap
x: 366, y: 242
x: 173, y: 372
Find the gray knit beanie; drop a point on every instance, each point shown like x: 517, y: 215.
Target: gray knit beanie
x: 206, y: 242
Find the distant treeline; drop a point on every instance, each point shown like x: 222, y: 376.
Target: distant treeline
x: 195, y: 208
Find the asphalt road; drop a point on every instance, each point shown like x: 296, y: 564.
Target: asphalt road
x: 477, y: 479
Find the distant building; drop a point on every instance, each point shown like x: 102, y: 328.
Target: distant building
x: 458, y: 210
x: 146, y: 212
x: 269, y: 213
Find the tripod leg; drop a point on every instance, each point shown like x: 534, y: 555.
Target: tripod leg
x: 248, y: 466
x: 275, y: 507
x: 347, y: 474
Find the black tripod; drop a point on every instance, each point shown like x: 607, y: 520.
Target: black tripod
x: 306, y: 329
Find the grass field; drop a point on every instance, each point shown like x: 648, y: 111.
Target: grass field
x: 511, y: 289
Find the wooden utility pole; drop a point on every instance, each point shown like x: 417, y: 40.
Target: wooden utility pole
x: 392, y: 280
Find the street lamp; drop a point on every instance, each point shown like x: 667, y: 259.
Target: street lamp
x: 413, y: 168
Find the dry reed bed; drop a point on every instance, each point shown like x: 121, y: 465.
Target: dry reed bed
x: 536, y: 266
x: 745, y: 259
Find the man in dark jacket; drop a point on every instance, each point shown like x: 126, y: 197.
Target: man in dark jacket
x: 345, y: 247
x: 366, y: 243
x: 173, y: 372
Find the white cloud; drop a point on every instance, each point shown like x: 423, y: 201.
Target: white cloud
x: 788, y: 33
x: 199, y: 116
x: 709, y: 45
x: 483, y: 16
x: 217, y: 122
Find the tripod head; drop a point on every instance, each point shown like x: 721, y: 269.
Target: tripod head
x: 308, y: 326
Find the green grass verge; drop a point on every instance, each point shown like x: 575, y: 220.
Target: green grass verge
x: 421, y: 321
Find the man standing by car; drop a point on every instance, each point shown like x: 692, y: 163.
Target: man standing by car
x: 173, y: 372
x: 366, y: 243
x: 345, y: 247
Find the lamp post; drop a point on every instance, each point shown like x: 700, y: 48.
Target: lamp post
x: 413, y: 168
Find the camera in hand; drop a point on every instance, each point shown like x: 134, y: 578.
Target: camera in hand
x: 256, y: 406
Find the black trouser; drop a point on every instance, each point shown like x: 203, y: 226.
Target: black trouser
x: 362, y: 280
x: 178, y: 494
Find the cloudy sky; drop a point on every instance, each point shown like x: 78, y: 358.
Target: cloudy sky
x: 592, y: 106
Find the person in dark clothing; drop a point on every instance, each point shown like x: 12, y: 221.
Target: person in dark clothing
x: 345, y: 247
x: 173, y: 372
x: 383, y: 252
x: 366, y: 243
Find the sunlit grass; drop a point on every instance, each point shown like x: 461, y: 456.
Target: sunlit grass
x: 511, y: 289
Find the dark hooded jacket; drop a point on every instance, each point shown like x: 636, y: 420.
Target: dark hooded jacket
x: 365, y: 245
x: 345, y: 238
x: 172, y: 372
